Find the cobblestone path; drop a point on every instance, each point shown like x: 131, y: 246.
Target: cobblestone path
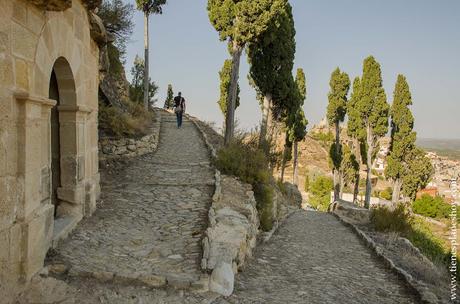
x: 152, y: 215
x: 313, y: 258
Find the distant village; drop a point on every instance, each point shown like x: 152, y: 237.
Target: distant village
x: 445, y: 178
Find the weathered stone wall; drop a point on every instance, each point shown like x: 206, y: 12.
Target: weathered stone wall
x: 110, y: 148
x: 233, y: 227
x: 33, y: 42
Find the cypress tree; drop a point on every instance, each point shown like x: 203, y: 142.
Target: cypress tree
x: 225, y: 75
x: 373, y: 114
x: 271, y: 59
x: 240, y: 22
x: 169, y: 97
x: 402, y: 136
x: 349, y: 168
x: 336, y: 110
x: 299, y: 130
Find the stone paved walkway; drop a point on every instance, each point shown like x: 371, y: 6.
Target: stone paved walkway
x: 313, y: 258
x: 152, y: 216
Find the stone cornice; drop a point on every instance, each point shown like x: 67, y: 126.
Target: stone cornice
x: 62, y: 5
x: 24, y: 96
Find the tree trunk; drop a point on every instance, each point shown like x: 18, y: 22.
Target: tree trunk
x: 146, y: 60
x: 341, y: 185
x: 283, y: 162
x: 396, y: 191
x: 233, y: 92
x: 295, y: 161
x: 370, y: 148
x: 336, y: 170
x: 357, y: 152
x: 266, y: 113
x: 356, y: 188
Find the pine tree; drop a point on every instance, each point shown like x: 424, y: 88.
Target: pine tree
x: 402, y: 136
x: 240, y: 22
x: 271, y: 60
x: 373, y: 114
x: 148, y: 7
x: 225, y: 75
x: 136, y: 91
x: 169, y: 97
x: 336, y: 110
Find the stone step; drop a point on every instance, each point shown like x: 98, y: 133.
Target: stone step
x: 180, y: 281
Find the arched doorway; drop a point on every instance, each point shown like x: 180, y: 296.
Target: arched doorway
x: 63, y: 141
x: 55, y: 142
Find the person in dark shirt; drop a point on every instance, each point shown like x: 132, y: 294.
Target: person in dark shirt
x: 179, y: 108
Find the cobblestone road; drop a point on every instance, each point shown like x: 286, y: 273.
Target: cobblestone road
x: 153, y: 213
x: 313, y: 258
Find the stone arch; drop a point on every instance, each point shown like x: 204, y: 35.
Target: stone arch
x: 68, y: 139
x: 55, y: 43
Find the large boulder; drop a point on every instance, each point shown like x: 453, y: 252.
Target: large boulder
x: 292, y: 195
x: 222, y: 280
x: 232, y: 233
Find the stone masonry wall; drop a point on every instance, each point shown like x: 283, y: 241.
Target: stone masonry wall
x: 33, y: 43
x: 110, y: 148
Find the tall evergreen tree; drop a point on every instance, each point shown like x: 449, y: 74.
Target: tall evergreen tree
x: 148, y: 7
x: 271, y: 60
x: 356, y: 131
x: 225, y: 76
x: 336, y: 110
x: 299, y: 129
x: 240, y: 22
x: 349, y: 168
x: 402, y: 136
x: 169, y: 97
x: 418, y: 174
x: 373, y: 114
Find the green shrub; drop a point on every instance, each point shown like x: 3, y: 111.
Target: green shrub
x: 307, y: 183
x: 323, y: 137
x: 250, y: 165
x: 387, y: 220
x: 433, y: 207
x: 386, y: 194
x: 320, y: 192
x: 422, y: 238
x: 415, y: 230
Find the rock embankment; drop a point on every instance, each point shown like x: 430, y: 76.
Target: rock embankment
x: 231, y: 235
x: 113, y: 148
x: 233, y: 223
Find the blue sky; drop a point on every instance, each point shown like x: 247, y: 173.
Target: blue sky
x: 417, y: 38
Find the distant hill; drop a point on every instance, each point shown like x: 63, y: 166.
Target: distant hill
x: 443, y: 147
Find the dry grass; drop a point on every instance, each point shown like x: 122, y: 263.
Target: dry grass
x: 131, y: 123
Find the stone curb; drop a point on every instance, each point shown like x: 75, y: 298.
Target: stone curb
x: 175, y: 281
x: 266, y: 236
x: 418, y: 287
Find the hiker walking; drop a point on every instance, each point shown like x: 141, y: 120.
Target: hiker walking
x: 179, y: 108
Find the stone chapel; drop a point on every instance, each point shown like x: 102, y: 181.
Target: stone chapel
x: 49, y: 176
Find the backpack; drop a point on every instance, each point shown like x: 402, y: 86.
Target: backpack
x: 178, y: 104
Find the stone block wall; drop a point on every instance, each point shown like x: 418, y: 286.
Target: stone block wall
x: 110, y: 148
x: 34, y: 42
